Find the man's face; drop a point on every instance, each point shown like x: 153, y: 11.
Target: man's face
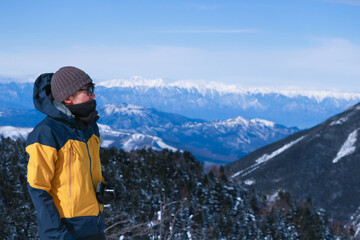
x: 80, y: 97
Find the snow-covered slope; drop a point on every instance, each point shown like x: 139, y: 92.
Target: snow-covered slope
x: 322, y: 162
x: 128, y: 116
x: 130, y: 139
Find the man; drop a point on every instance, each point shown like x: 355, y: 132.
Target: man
x: 64, y: 165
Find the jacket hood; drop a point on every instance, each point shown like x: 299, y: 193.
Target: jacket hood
x: 44, y: 101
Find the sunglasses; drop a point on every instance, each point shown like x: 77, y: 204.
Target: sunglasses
x: 90, y: 89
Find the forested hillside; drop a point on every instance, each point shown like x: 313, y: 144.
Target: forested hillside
x: 169, y: 195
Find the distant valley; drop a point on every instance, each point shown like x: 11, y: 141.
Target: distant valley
x: 217, y: 123
x: 134, y: 127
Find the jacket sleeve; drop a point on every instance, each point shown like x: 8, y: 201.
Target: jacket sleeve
x: 49, y: 223
x: 41, y: 169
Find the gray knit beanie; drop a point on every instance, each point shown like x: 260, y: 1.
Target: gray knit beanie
x: 67, y: 81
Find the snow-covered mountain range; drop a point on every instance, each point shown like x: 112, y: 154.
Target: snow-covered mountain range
x: 213, y: 101
x: 139, y: 112
x: 129, y: 127
x: 134, y: 127
x: 321, y: 163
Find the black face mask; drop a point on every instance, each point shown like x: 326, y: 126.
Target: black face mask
x: 85, y: 113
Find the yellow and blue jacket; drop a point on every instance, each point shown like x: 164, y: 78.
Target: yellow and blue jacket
x: 63, y: 170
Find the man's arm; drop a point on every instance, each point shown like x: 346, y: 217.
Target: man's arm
x: 49, y: 224
x: 41, y: 169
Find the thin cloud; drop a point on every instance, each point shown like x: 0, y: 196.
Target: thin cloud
x: 347, y: 2
x: 214, y: 31
x: 205, y: 7
x: 328, y: 64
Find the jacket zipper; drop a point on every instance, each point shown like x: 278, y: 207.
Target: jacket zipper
x: 88, y: 151
x: 92, y: 179
x: 70, y: 162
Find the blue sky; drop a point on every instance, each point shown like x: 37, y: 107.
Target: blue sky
x: 307, y: 44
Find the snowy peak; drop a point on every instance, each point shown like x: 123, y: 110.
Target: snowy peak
x: 129, y: 116
x: 238, y: 121
x: 140, y: 82
x: 124, y: 109
x: 208, y: 100
x: 133, y: 82
x: 132, y: 127
x: 216, y: 101
x: 222, y: 88
x: 243, y: 123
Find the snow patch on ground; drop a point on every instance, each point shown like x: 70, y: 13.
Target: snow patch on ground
x: 338, y: 122
x: 249, y: 182
x: 348, y: 147
x: 357, y: 108
x: 274, y: 196
x: 265, y: 158
x: 355, y: 220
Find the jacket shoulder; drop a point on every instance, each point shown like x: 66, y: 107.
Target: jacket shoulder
x: 48, y: 132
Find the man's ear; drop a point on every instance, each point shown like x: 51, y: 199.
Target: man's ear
x: 68, y: 101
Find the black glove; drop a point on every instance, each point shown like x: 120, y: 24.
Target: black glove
x: 105, y: 192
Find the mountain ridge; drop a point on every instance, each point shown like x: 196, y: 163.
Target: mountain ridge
x: 213, y: 101
x: 138, y: 81
x: 208, y: 101
x: 320, y: 162
x: 218, y: 142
